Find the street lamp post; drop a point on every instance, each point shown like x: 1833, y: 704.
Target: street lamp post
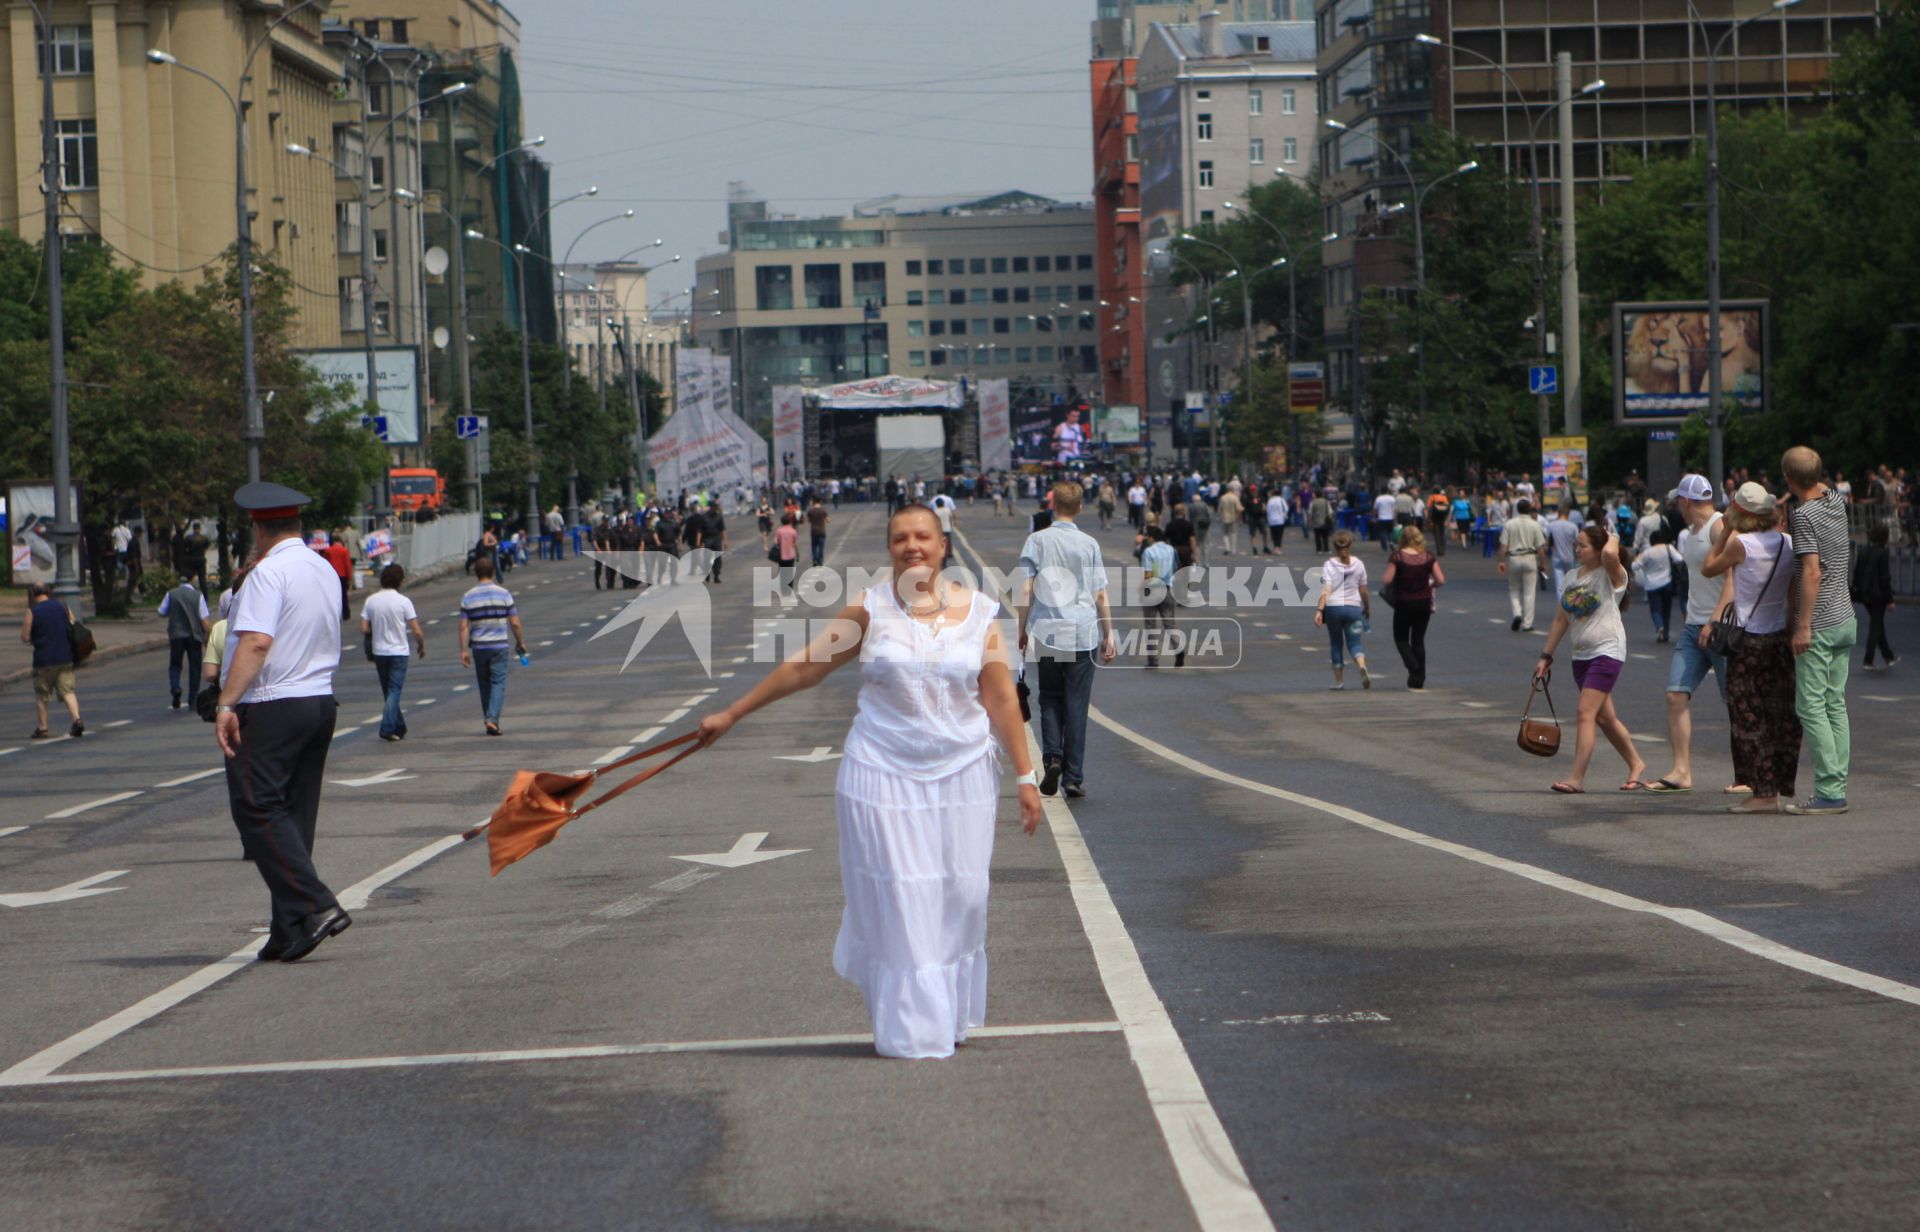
x: 1716, y: 411
x: 1246, y: 342
x: 65, y: 532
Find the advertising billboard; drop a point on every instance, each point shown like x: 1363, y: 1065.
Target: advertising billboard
x: 398, y: 369
x: 1563, y: 470
x: 1662, y: 361
x: 29, y: 515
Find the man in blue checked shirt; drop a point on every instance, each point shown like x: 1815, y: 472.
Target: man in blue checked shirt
x: 1063, y: 607
x: 489, y: 634
x: 1159, y: 561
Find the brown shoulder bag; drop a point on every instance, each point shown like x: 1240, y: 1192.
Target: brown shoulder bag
x: 1541, y: 737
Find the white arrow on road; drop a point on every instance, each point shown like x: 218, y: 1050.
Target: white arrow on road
x: 74, y: 889
x: 746, y: 851
x: 821, y: 753
x: 385, y: 776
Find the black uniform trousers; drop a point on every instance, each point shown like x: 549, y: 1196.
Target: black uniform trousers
x: 273, y: 790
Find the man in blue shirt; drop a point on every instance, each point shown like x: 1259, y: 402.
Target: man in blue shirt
x: 489, y: 633
x: 1159, y: 560
x: 1063, y: 607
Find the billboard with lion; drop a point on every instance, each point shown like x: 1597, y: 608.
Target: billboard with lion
x: 1662, y: 360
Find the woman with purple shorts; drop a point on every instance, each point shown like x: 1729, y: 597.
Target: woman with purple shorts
x: 1589, y: 617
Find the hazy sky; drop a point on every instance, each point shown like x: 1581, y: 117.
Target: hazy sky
x: 814, y: 103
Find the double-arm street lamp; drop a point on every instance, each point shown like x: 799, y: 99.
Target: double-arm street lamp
x: 1420, y: 193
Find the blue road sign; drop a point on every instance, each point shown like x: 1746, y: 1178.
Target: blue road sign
x: 1543, y: 379
x: 376, y: 424
x: 466, y: 427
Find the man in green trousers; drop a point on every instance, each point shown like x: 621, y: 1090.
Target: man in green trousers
x: 1824, y: 629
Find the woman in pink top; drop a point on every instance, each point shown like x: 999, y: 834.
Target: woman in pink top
x: 786, y: 546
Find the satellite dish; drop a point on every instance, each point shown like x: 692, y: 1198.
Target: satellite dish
x: 435, y: 259
x: 441, y: 337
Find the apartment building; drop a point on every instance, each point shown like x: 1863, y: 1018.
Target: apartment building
x: 146, y: 150
x: 601, y: 305
x: 1376, y: 79
x: 944, y: 287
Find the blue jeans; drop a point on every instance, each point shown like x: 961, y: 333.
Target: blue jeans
x: 392, y: 670
x: 1343, y: 629
x: 1066, y: 689
x: 1660, y: 605
x: 490, y: 671
x: 819, y: 550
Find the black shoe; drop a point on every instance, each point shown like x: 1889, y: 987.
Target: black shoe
x: 1075, y: 791
x: 78, y: 729
x: 1050, y: 781
x: 176, y: 699
x: 1516, y: 624
x: 1180, y: 660
x: 273, y: 951
x: 313, y: 930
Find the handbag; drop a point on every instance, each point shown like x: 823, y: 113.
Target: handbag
x: 1726, y: 636
x: 79, y: 638
x: 537, y: 804
x: 1541, y: 737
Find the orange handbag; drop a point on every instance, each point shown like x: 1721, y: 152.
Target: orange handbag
x: 538, y: 803
x: 1541, y: 737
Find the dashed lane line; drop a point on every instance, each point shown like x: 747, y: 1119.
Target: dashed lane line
x: 647, y: 735
x: 118, y: 723
x: 675, y: 717
x: 15, y: 749
x: 102, y: 802
x: 184, y: 779
x: 461, y: 688
x: 1697, y: 921
x: 546, y: 643
x: 613, y: 755
x: 5, y: 831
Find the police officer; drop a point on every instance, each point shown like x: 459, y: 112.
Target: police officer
x: 276, y: 713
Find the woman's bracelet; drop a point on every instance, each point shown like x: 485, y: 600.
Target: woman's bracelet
x: 1545, y: 657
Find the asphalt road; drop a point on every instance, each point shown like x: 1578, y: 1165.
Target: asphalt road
x: 1408, y: 987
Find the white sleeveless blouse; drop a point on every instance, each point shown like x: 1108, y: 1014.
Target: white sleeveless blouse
x: 920, y: 712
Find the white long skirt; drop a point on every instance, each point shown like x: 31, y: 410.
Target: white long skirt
x: 914, y: 856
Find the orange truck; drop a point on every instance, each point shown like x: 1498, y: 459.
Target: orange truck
x: 414, y: 488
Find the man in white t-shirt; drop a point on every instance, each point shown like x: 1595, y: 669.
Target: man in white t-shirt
x: 1691, y: 659
x: 1383, y: 506
x: 1137, y: 506
x: 944, y: 509
x: 386, y: 619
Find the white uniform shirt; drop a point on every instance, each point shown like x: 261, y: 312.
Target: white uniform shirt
x: 292, y: 596
x: 388, y: 612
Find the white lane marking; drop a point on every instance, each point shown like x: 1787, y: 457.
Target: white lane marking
x: 685, y: 881
x: 726, y: 675
x: 741, y: 659
x: 1459, y: 611
x: 589, y: 1052
x: 1495, y: 620
x: 647, y: 735
x: 567, y: 632
x: 1306, y: 1020
x: 390, y: 775
x: 426, y: 701
x: 461, y: 688
x: 745, y: 851
x: 1638, y: 655
x: 65, y: 893
x: 434, y: 621
x: 184, y: 779
x: 1283, y: 637
x: 675, y: 717
x: 13, y: 830
x: 1686, y: 917
x: 1878, y: 697
x: 15, y: 749
x: 632, y: 904
x: 118, y: 723
x: 1478, y: 705
x: 1203, y: 1155
x: 546, y: 643
x: 585, y: 624
x: 821, y: 752
x: 612, y: 755
x: 560, y: 938
x: 103, y: 801
x: 375, y: 719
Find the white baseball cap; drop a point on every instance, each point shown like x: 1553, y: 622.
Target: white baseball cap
x: 1694, y: 487
x: 1754, y: 498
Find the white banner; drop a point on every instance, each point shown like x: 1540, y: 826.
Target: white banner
x: 789, y: 430
x: 699, y: 447
x: 996, y: 428
x: 891, y: 391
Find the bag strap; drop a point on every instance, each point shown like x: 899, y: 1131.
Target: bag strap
x: 1764, y: 586
x: 644, y: 775
x: 1540, y: 689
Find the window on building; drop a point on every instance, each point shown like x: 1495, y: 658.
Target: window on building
x: 999, y: 295
x: 977, y: 295
x: 377, y: 98
x: 956, y: 295
x: 1043, y: 325
x: 916, y: 329
x: 1086, y: 292
x: 1043, y: 265
x: 1257, y: 150
x: 936, y: 359
x: 956, y: 327
x: 1023, y: 355
x: 377, y: 171
x: 1002, y: 355
x: 913, y: 269
x: 1022, y: 295
x: 1084, y: 261
x: 1206, y: 173
x: 1133, y: 100
x: 916, y: 298
x: 1086, y: 322
x: 349, y: 289
x: 1002, y: 325
x: 1206, y: 215
x: 1290, y: 149
x: 916, y: 359
x: 773, y: 287
x: 936, y: 267
x: 981, y: 327
x: 1204, y: 96
x: 1043, y: 295
x: 821, y: 284
x: 1203, y: 126
x: 1022, y: 325
x: 999, y: 265
x: 978, y: 265
x: 79, y: 149
x: 1256, y: 102
x: 382, y: 317
x: 400, y: 29
x: 1020, y: 265
x: 870, y: 283
x: 1044, y: 355
x: 1289, y: 101
x: 379, y: 244
x: 72, y: 51
x: 937, y: 329
x: 1133, y: 147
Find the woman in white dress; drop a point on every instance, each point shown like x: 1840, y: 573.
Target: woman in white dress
x: 918, y: 788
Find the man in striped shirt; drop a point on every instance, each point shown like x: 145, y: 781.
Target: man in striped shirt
x: 1824, y: 629
x: 489, y: 635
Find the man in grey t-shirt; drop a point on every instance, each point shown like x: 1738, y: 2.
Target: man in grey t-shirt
x: 1824, y: 628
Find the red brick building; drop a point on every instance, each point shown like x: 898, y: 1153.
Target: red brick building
x: 1118, y: 264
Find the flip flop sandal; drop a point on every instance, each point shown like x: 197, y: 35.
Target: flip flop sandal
x: 1568, y: 789
x: 1633, y: 785
x: 1667, y: 787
